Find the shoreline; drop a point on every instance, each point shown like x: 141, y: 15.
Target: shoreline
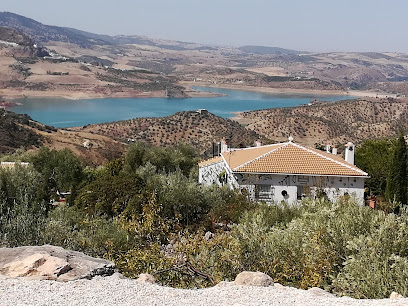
x: 267, y: 89
x: 12, y: 94
x: 351, y: 93
x: 8, y: 94
x: 70, y: 95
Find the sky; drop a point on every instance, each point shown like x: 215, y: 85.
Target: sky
x: 307, y: 25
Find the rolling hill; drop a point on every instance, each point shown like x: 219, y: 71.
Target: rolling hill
x: 197, y: 129
x: 20, y: 131
x: 267, y: 50
x: 336, y: 122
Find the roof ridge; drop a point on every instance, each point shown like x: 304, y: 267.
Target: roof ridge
x: 331, y: 159
x: 251, y: 148
x: 282, y: 145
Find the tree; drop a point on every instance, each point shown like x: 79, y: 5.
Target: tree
x: 397, y: 176
x: 374, y: 157
x: 61, y: 171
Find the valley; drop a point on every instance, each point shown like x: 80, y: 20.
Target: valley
x: 38, y: 61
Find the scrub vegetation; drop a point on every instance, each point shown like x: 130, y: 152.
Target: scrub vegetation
x: 146, y: 212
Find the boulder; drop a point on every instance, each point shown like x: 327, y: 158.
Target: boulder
x: 395, y: 295
x: 51, y: 262
x: 40, y: 265
x: 224, y: 284
x: 259, y: 279
x: 319, y: 291
x: 145, y: 278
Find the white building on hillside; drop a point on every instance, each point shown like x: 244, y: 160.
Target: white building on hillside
x: 286, y: 172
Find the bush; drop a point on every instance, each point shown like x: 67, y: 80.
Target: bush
x: 22, y: 216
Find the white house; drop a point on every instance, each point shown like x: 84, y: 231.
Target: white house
x: 286, y: 172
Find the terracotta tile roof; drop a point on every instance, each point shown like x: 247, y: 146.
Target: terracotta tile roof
x: 238, y: 157
x: 289, y: 158
x: 210, y: 161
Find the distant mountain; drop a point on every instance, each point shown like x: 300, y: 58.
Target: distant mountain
x: 41, y: 33
x: 267, y: 50
x: 13, y: 36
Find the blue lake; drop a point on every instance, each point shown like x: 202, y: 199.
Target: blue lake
x: 69, y: 113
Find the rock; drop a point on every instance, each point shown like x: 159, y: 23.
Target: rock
x: 117, y: 275
x: 395, y: 295
x: 319, y: 291
x: 40, y: 265
x: 279, y: 286
x: 208, y: 235
x: 224, y: 284
x: 259, y: 279
x: 50, y: 262
x: 145, y: 278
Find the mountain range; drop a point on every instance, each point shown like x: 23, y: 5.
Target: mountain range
x: 41, y: 33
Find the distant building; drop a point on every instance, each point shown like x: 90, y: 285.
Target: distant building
x: 202, y: 111
x: 87, y: 144
x: 285, y: 172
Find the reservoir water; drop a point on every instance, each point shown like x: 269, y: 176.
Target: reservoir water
x: 69, y: 113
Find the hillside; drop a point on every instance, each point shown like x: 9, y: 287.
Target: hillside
x: 199, y: 130
x: 247, y: 67
x: 27, y: 70
x: 334, y: 122
x: 13, y: 36
x: 41, y: 33
x: 15, y: 132
x: 267, y: 50
x: 20, y: 131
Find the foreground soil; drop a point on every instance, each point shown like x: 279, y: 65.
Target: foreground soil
x: 109, y: 291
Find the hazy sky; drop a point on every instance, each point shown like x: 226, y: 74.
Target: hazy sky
x: 311, y: 25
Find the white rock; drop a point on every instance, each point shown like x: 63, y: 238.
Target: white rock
x: 145, y: 278
x: 39, y: 265
x: 51, y: 262
x: 395, y: 295
x: 224, y: 284
x: 319, y: 291
x: 248, y: 278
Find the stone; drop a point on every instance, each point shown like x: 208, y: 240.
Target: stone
x: 319, y: 291
x: 208, y: 236
x: 395, y: 295
x: 224, y: 284
x: 248, y: 278
x: 51, y: 262
x: 37, y: 265
x: 117, y: 275
x: 146, y: 278
x: 279, y: 286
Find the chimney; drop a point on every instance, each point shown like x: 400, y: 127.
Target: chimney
x: 258, y: 143
x: 223, y: 145
x: 334, y: 150
x: 349, y: 153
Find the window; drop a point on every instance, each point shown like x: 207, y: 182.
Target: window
x: 264, y: 192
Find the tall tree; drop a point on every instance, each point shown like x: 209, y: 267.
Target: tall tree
x: 397, y: 176
x: 374, y: 157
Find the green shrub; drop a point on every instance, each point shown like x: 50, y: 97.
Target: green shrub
x: 22, y: 216
x: 377, y: 263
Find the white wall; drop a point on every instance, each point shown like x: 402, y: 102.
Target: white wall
x: 333, y: 186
